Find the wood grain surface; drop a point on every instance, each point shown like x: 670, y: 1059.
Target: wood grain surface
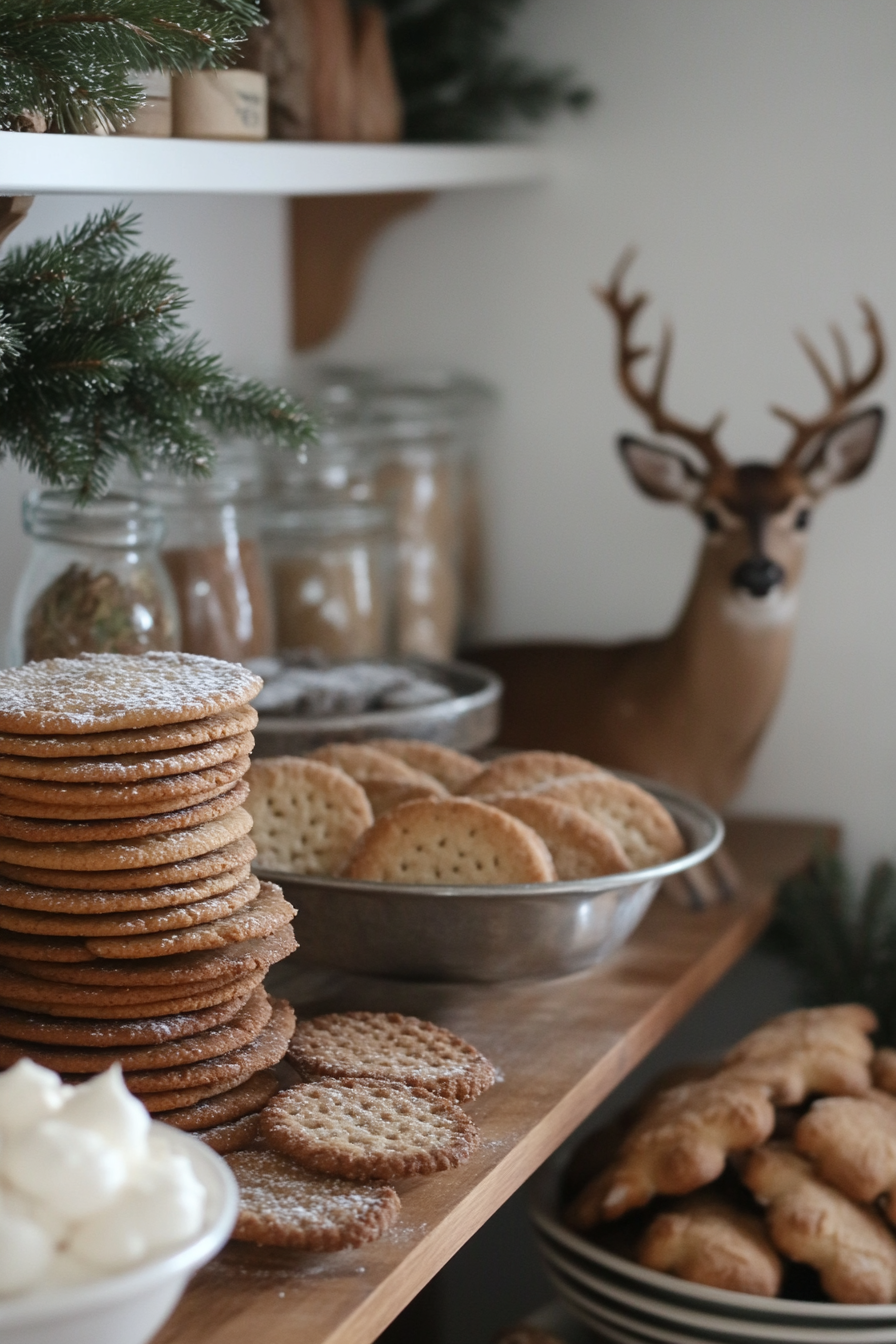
x: 561, y: 1047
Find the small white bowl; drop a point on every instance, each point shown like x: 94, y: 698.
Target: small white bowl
x: 129, y: 1308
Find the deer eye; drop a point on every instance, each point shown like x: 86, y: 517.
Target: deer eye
x: 801, y: 521
x: 711, y: 521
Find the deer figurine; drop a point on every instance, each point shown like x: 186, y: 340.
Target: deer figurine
x: 691, y: 707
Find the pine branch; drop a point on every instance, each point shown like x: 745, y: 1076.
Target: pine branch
x: 96, y: 367
x: 456, y: 82
x: 844, y: 944
x: 73, y: 65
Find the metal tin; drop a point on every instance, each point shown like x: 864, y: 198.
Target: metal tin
x: 487, y: 934
x: 467, y: 721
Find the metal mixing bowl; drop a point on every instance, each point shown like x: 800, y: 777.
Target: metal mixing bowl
x: 486, y: 933
x: 467, y: 721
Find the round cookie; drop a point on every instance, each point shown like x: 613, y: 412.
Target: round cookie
x: 127, y: 768
x: 247, y: 1098
x: 43, y: 950
x: 263, y: 916
x: 17, y: 987
x: 580, y: 846
x: 187, y: 969
x: 307, y: 815
x: 520, y: 771
x: 363, y: 762
x: 390, y: 1047
x: 231, y: 1069
x: 451, y: 842
x: 282, y: 1205
x: 42, y: 1028
x: 248, y: 1023
x: 364, y: 1130
x: 152, y: 795
x: 145, y: 852
x: 385, y: 794
x: 72, y: 829
x: 123, y: 924
x: 133, y: 741
x: 102, y: 1007
x: 453, y: 769
x: 232, y: 1137
x: 68, y: 903
x: 643, y: 827
x: 161, y: 877
x: 102, y: 692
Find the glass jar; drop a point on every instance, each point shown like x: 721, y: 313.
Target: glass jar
x: 330, y: 572
x: 94, y: 583
x: 423, y: 429
x: 214, y: 558
x: 338, y: 469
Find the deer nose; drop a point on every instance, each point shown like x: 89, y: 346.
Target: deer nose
x: 758, y: 575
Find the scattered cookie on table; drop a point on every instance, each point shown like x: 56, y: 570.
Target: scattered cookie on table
x: 283, y: 1205
x: 580, y: 846
x: 307, y: 814
x: 389, y: 1047
x: 453, y: 841
x: 814, y: 1224
x: 825, y: 1050
x: 366, y: 1130
x: 704, y: 1240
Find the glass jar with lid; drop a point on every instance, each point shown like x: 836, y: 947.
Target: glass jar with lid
x: 94, y: 583
x: 214, y: 558
x: 423, y: 429
x: 330, y: 572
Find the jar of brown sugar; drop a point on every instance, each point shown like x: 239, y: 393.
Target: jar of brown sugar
x: 214, y: 558
x: 330, y: 566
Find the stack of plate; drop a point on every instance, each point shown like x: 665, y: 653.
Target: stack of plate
x: 631, y: 1305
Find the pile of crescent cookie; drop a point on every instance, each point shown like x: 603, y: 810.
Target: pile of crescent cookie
x: 774, y: 1173
x: 397, y: 810
x: 131, y: 926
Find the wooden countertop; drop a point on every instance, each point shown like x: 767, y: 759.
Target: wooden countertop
x: 561, y: 1046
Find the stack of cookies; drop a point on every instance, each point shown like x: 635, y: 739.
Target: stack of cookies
x: 131, y: 926
x: 783, y: 1156
x: 415, y: 812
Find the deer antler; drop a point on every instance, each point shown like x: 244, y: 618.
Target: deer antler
x: 840, y: 392
x: 650, y: 400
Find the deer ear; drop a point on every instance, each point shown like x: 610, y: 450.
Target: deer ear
x: 844, y: 452
x: 661, y: 472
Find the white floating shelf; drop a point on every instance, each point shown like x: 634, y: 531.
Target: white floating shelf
x: 31, y: 164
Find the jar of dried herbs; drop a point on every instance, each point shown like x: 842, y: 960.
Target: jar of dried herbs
x: 94, y: 583
x: 213, y: 556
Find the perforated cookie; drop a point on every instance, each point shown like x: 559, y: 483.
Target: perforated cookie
x: 580, y: 846
x: 643, y: 827
x: 390, y: 1047
x: 451, y: 842
x: 368, y: 1130
x: 453, y: 769
x: 307, y: 815
x: 519, y: 771
x: 101, y: 692
x: 282, y: 1205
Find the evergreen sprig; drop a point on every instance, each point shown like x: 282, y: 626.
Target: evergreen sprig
x: 843, y: 942
x: 96, y: 366
x: 71, y: 63
x: 457, y: 83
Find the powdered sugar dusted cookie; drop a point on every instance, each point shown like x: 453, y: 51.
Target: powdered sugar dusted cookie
x: 643, y: 827
x: 128, y: 767
x: 159, y: 877
x: 99, y: 692
x: 232, y: 1137
x: 25, y: 1025
x: 151, y: 795
x: 810, y: 1050
x: 580, y: 846
x: 307, y: 814
x: 68, y: 825
x: 282, y: 1205
x: 451, y: 842
x: 246, y: 1099
x: 365, y: 1130
x: 231, y: 1069
x: 145, y: 852
x: 390, y: 1047
x: 130, y: 741
x: 53, y: 900
x: 520, y: 771
x: 453, y: 769
x: 811, y: 1222
x: 704, y: 1240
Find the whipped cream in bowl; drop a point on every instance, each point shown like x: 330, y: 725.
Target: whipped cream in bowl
x: 104, y: 1214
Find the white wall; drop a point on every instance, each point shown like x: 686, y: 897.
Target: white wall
x: 746, y: 146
